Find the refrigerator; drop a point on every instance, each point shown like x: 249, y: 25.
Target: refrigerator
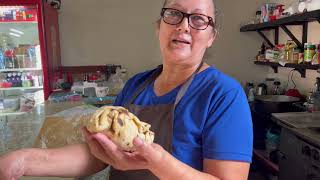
x: 29, y: 54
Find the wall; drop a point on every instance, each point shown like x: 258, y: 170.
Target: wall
x: 234, y: 51
x: 98, y: 32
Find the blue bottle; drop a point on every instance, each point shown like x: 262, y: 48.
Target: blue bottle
x: 2, y: 66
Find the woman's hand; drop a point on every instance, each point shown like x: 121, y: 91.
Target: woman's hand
x: 146, y: 155
x: 11, y: 166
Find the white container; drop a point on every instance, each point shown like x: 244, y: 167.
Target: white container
x: 9, y: 105
x: 102, y: 91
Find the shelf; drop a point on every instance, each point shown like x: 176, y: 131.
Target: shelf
x: 12, y: 114
x: 301, y: 19
x: 20, y: 69
x: 297, y: 19
x: 21, y: 88
x: 18, y: 22
x: 262, y: 156
x: 301, y: 68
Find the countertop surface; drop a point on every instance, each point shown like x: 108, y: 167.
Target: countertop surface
x: 20, y: 131
x: 305, y: 125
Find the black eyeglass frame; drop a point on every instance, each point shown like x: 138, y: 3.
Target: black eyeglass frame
x: 187, y: 15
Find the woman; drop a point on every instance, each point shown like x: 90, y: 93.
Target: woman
x: 200, y: 116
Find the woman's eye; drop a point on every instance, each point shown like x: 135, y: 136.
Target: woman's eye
x: 198, y: 18
x: 174, y: 14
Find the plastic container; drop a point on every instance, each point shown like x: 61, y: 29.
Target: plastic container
x: 9, y: 105
x: 21, y: 60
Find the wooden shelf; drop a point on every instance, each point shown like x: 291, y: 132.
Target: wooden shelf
x: 301, y: 68
x: 20, y: 69
x: 263, y: 157
x: 297, y: 19
x: 21, y: 88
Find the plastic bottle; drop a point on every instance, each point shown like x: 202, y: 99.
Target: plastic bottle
x: 35, y: 81
x: 251, y: 94
x: 276, y: 89
x: 8, y: 59
x: 115, y: 82
x: 24, y: 81
x: 40, y: 80
x: 319, y: 53
x: 2, y: 65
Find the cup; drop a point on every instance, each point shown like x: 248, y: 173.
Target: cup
x: 102, y: 91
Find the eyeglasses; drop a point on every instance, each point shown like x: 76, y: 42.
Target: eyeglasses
x: 195, y: 20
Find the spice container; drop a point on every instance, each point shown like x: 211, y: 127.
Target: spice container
x: 295, y: 58
x: 289, y: 50
x: 301, y: 58
x: 309, y: 52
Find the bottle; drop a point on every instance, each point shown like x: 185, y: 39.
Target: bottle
x: 14, y: 80
x: 251, y: 94
x: 276, y: 89
x: 115, y: 82
x: 317, y: 85
x: 2, y: 65
x: 310, y: 102
x: 35, y: 81
x: 40, y: 80
x: 19, y: 81
x: 8, y: 59
x: 24, y: 81
x: 318, y: 53
x: 29, y: 80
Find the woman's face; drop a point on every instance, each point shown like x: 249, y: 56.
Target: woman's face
x: 181, y: 43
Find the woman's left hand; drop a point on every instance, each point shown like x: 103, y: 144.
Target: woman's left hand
x: 145, y: 156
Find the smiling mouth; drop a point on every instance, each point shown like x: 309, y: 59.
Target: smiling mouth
x: 180, y: 41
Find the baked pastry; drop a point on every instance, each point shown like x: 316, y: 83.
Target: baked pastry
x: 120, y: 125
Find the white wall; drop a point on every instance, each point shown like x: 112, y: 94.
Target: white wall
x: 98, y: 32
x: 234, y: 51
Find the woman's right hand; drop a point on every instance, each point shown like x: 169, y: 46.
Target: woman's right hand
x: 11, y: 166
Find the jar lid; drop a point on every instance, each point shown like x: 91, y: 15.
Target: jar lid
x: 310, y: 46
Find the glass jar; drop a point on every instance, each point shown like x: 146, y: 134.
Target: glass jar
x: 309, y: 52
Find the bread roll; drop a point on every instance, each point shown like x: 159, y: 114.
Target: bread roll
x: 120, y: 125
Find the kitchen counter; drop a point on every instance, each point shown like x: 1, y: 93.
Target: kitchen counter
x: 21, y: 131
x: 49, y: 125
x: 303, y: 124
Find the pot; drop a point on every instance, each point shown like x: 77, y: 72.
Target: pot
x: 268, y: 104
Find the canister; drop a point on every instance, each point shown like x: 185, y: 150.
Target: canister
x: 309, y: 52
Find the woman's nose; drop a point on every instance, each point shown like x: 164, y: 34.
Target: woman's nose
x: 184, y: 25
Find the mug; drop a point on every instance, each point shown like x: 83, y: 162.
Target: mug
x: 102, y: 91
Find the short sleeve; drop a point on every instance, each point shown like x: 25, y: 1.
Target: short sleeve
x: 130, y: 87
x: 227, y: 133
x: 121, y: 97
